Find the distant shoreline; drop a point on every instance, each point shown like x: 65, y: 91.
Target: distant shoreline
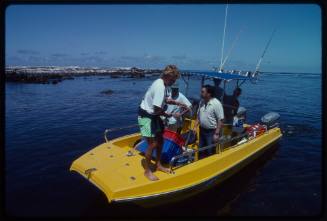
x: 54, y: 75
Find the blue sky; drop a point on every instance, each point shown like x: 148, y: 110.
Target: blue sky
x: 152, y: 36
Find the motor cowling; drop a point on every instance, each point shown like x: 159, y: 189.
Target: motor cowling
x: 271, y: 120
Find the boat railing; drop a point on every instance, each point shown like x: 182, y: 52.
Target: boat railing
x: 189, y: 154
x: 116, y: 129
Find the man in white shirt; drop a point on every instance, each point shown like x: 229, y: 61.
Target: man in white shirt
x: 150, y: 123
x: 210, y: 117
x: 175, y: 122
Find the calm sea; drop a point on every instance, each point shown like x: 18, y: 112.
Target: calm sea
x: 48, y: 126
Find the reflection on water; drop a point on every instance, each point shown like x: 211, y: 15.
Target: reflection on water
x: 48, y: 126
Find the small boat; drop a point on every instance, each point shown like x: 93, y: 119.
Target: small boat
x: 115, y: 167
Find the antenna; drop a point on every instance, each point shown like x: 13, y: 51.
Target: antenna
x: 223, y: 42
x: 264, y: 51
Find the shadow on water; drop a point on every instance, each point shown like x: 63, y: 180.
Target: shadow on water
x: 218, y: 200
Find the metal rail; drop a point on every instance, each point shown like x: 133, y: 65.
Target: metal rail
x: 116, y: 129
x: 189, y: 154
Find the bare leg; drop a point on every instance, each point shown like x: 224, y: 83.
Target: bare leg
x: 148, y: 154
x: 159, y: 139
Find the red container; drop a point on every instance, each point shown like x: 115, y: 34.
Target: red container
x: 256, y: 130
x: 173, y: 136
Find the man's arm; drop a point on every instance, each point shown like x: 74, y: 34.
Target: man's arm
x: 174, y: 102
x: 219, y: 112
x: 217, y: 132
x: 160, y: 111
x: 187, y: 109
x: 188, y: 105
x: 219, y: 126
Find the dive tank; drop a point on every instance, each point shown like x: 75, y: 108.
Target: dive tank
x: 270, y: 120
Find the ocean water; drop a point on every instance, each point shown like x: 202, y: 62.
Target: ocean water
x: 48, y: 126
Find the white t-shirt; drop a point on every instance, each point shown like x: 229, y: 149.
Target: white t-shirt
x: 177, y: 109
x: 154, y: 96
x: 209, y: 114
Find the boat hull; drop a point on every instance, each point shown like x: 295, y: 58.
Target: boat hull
x: 161, y: 199
x: 121, y: 177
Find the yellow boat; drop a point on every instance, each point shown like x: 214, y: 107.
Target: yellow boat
x: 115, y: 166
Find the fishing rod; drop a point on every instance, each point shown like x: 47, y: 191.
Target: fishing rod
x: 264, y: 51
x: 223, y: 42
x: 256, y: 72
x: 232, y: 47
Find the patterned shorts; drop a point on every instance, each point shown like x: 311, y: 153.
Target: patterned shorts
x: 150, y: 127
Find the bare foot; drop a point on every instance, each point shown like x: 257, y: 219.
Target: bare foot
x: 163, y: 169
x: 146, y: 165
x: 148, y: 174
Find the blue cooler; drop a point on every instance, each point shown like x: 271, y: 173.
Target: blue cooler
x: 172, y: 146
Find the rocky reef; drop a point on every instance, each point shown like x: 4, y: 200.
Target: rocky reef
x: 107, y: 92
x: 54, y: 75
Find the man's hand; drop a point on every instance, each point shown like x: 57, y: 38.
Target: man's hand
x: 216, y: 135
x: 171, y: 101
x: 216, y: 138
x: 183, y: 105
x: 168, y: 114
x: 176, y: 115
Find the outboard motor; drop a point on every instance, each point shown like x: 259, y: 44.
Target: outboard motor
x: 270, y: 120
